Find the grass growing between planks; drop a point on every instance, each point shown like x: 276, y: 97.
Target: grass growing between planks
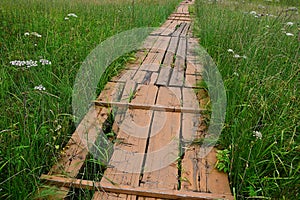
x: 54, y: 37
x: 256, y: 48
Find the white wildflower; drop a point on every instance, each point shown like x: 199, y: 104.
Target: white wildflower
x: 45, y: 62
x: 40, y: 88
x: 289, y: 23
x: 67, y: 18
x: 21, y: 63
x: 58, y: 128
x: 257, y: 134
x: 26, y: 34
x: 230, y: 51
x: 236, y: 56
x: 289, y: 34
x: 31, y: 63
x: 36, y: 34
x: 252, y: 13
x: 235, y: 74
x: 72, y: 15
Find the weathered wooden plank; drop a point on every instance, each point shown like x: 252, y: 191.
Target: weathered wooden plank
x: 157, y: 193
x: 139, y: 76
x: 170, y: 53
x: 75, y: 152
x: 124, y: 76
x: 177, y: 77
x: 171, y: 28
x: 198, y: 171
x: 152, y: 62
x: 153, y: 78
x: 149, y: 42
x: 163, y: 144
x: 185, y: 30
x: 175, y: 109
x: 161, y: 29
x: 178, y: 30
x: 190, y: 80
x: 128, y: 91
x: 127, y: 158
x: 180, y: 19
x: 160, y: 45
x: 164, y: 76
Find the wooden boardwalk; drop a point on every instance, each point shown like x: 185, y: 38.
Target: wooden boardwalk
x: 157, y: 117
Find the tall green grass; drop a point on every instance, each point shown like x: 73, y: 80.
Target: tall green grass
x: 262, y: 91
x: 34, y: 125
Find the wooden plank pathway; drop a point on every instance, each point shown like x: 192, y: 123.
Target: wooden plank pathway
x: 157, y: 113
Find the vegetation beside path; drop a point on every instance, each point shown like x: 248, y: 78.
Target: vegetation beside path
x: 42, y: 45
x: 255, y: 45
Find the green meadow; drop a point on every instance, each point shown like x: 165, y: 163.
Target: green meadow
x: 255, y: 45
x: 53, y: 38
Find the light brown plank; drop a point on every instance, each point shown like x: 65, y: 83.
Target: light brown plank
x: 156, y: 193
x: 126, y: 162
x: 171, y: 51
x: 75, y: 152
x: 160, y: 170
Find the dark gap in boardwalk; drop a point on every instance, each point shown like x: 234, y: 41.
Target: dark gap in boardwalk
x: 147, y: 142
x: 181, y: 148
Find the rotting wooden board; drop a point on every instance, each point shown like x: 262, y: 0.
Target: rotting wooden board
x: 164, y: 76
x: 75, y: 152
x: 171, y: 28
x: 126, y: 159
x: 201, y: 174
x: 185, y: 30
x: 163, y: 146
x: 156, y: 193
x: 177, y: 77
x: 160, y: 45
x: 178, y: 31
x: 197, y: 168
x: 180, y: 19
x: 170, y: 53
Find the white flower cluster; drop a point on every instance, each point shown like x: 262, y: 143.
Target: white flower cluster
x: 29, y: 63
x: 33, y: 33
x: 70, y: 15
x: 257, y: 15
x: 257, y: 134
x: 21, y: 63
x: 40, y: 88
x: 45, y: 62
x: 236, y: 55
